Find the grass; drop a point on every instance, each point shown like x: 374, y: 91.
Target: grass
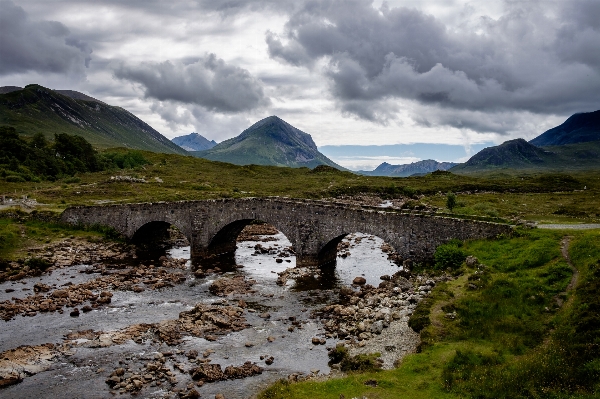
x: 20, y: 231
x: 546, y: 198
x: 511, y: 337
x: 517, y: 333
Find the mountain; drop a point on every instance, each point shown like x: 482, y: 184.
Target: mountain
x: 271, y: 141
x: 516, y: 153
x: 36, y: 109
x: 420, y: 167
x: 520, y: 155
x: 9, y: 89
x: 194, y: 142
x: 579, y: 128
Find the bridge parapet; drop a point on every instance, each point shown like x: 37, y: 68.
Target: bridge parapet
x: 313, y: 227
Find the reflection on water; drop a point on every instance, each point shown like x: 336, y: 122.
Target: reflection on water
x: 362, y: 257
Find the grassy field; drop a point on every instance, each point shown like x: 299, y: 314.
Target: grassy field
x: 518, y: 332
x: 542, y: 197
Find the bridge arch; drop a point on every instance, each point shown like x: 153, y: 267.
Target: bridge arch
x: 329, y: 251
x: 222, y: 238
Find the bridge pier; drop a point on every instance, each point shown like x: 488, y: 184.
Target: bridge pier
x: 307, y: 260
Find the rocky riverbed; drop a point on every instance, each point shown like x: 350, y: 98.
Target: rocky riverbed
x: 105, y: 319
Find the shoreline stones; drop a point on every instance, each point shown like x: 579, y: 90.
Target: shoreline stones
x: 227, y: 286
x: 95, y: 291
x: 212, y: 372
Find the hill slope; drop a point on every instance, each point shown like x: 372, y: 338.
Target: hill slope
x: 38, y: 109
x: 270, y: 141
x: 194, y: 142
x: 579, y: 128
x: 420, y: 167
x: 520, y: 155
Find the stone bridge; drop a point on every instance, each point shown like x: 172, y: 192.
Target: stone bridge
x: 313, y: 227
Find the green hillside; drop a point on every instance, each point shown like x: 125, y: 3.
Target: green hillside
x: 519, y: 155
x: 271, y: 141
x: 36, y: 109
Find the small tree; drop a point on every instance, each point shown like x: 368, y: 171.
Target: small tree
x: 450, y: 200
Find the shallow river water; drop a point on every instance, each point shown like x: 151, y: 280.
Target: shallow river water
x: 82, y: 373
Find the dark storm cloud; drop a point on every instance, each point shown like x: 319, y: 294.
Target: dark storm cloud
x: 526, y: 60
x: 209, y: 82
x: 40, y: 46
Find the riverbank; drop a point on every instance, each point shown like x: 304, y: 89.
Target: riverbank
x: 105, y: 318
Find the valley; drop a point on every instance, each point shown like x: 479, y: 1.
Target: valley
x: 101, y: 311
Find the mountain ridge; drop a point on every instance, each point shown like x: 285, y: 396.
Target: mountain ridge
x: 578, y: 128
x: 404, y: 170
x: 37, y: 109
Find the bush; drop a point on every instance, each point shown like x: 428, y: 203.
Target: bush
x: 72, y: 180
x: 14, y: 179
x: 419, y: 320
x: 127, y: 160
x: 450, y: 201
x: 361, y: 363
x: 449, y: 256
x: 38, y: 264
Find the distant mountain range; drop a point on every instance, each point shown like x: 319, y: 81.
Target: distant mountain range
x: 270, y: 141
x: 574, y: 145
x: 194, y: 142
x: 36, y: 109
x: 415, y: 168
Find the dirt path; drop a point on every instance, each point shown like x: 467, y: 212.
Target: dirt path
x: 569, y: 226
x: 564, y: 249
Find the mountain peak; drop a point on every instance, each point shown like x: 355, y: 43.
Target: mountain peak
x: 194, y: 142
x: 516, y: 153
x: 270, y: 141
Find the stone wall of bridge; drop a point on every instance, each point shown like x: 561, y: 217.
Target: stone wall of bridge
x: 313, y: 227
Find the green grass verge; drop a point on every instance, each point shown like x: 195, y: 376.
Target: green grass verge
x: 21, y: 231
x: 516, y: 334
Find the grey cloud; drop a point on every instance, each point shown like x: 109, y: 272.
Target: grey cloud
x: 40, y: 46
x: 526, y: 60
x: 212, y: 126
x: 209, y: 82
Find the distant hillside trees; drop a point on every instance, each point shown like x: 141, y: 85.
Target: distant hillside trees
x: 39, y: 159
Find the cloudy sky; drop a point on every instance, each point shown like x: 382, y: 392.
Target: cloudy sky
x: 388, y: 73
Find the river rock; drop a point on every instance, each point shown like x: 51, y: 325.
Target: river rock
x: 359, y: 280
x: 471, y: 261
x: 60, y: 294
x: 207, y: 372
x: 377, y: 327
